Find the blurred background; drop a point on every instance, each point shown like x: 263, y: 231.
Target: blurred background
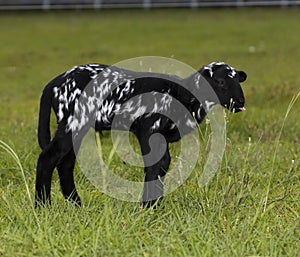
x: 97, y: 4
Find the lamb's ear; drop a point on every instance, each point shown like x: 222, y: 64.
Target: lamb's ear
x: 242, y: 76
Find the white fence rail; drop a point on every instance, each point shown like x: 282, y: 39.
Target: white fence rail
x: 146, y: 4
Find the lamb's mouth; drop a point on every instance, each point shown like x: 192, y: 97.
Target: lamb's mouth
x: 238, y: 109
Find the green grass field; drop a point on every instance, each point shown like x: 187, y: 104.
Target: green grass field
x: 250, y: 208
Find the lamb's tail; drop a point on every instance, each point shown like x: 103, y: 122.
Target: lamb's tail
x: 44, y: 135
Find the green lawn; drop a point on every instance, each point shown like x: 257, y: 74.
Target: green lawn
x: 250, y: 208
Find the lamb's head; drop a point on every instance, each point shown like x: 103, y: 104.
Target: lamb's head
x: 225, y: 81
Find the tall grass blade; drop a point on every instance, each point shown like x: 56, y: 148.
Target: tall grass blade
x: 16, y: 158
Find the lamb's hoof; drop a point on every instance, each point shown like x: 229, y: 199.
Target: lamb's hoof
x: 154, y: 204
x: 41, y: 204
x: 75, y: 199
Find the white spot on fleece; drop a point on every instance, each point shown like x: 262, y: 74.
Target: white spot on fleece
x: 125, y: 90
x: 77, y: 92
x: 104, y: 87
x: 191, y: 123
x: 117, y: 108
x: 166, y: 101
x: 210, y: 66
x: 107, y: 109
x: 83, y: 121
x: 55, y: 91
x: 232, y: 72
x: 72, y: 123
x: 139, y: 112
x: 76, y: 107
x: 127, y: 107
x: 91, y: 104
x: 156, y: 125
x: 127, y: 86
x: 106, y: 72
x: 60, y: 114
x: 172, y: 126
x: 197, y: 80
x: 199, y: 112
x: 209, y: 105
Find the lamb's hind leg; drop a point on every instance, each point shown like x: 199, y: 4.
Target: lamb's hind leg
x: 65, y: 171
x: 47, y: 161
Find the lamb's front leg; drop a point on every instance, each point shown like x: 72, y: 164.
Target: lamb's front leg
x: 157, y: 160
x: 154, y: 181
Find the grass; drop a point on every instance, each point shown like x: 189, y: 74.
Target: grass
x: 251, y: 207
